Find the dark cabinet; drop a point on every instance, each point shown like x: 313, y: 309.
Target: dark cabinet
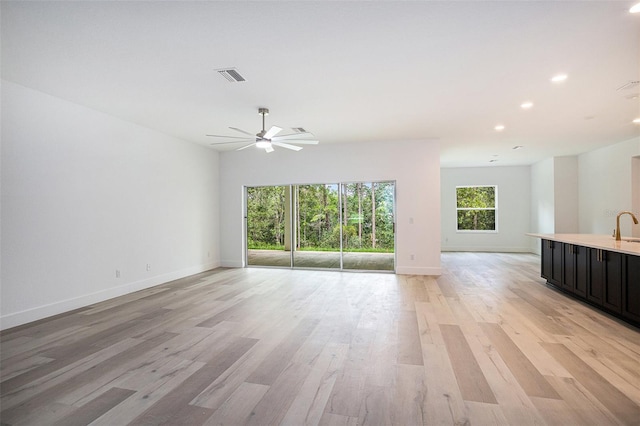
x: 574, y: 273
x: 552, y: 261
x: 612, y: 295
x: 596, y: 272
x: 605, y: 283
x: 631, y: 291
x: 606, y: 279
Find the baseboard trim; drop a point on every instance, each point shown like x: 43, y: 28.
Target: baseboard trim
x: 231, y: 264
x: 40, y: 312
x: 486, y: 249
x: 410, y: 270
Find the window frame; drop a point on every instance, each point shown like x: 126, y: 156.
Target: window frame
x: 495, y: 209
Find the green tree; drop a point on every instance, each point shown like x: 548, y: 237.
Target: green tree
x: 476, y: 208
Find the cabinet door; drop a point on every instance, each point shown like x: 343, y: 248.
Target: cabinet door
x: 631, y: 289
x: 569, y: 268
x: 547, y: 259
x: 582, y: 264
x: 552, y: 261
x: 596, y: 276
x: 612, y: 289
x: 556, y: 275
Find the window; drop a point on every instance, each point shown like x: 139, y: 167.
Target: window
x: 476, y: 207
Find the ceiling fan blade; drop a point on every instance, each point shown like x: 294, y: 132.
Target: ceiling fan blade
x: 245, y: 147
x: 241, y: 131
x: 228, y: 137
x: 293, y: 136
x: 227, y: 143
x: 286, y: 145
x: 272, y: 132
x: 269, y: 149
x: 301, y: 141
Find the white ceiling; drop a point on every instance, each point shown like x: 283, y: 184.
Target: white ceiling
x: 346, y: 71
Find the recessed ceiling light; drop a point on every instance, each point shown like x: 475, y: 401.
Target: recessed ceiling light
x: 526, y: 105
x: 499, y: 127
x: 635, y: 8
x: 559, y: 78
x: 518, y: 147
x: 636, y: 121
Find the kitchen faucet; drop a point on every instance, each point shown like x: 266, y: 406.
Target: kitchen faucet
x: 635, y: 220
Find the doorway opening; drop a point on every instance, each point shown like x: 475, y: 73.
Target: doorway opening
x: 341, y: 226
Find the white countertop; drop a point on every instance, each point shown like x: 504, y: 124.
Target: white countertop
x: 605, y: 242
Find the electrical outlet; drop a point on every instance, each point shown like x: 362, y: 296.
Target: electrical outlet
x: 117, y: 273
x: 413, y: 257
x: 148, y: 266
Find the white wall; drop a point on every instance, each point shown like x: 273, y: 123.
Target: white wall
x: 514, y: 209
x: 414, y: 165
x: 542, y: 199
x: 605, y: 188
x: 554, y: 197
x: 635, y: 188
x: 84, y: 194
x: 565, y: 195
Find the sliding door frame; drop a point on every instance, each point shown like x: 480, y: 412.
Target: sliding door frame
x: 293, y: 206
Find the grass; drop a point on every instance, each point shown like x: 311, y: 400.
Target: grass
x: 346, y: 250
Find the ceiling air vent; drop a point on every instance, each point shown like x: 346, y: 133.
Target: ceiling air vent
x: 630, y: 85
x: 231, y: 74
x: 298, y: 130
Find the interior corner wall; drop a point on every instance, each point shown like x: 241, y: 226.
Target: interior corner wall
x: 542, y: 201
x: 85, y: 194
x: 565, y: 195
x: 413, y: 165
x: 513, y: 209
x: 635, y: 188
x: 605, y: 188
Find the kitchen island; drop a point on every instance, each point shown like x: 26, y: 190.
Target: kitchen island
x: 596, y: 269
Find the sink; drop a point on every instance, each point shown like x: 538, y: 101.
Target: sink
x: 631, y: 240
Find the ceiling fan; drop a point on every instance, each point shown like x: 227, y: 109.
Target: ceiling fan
x: 267, y: 139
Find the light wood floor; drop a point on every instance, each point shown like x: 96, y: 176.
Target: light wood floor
x: 486, y: 343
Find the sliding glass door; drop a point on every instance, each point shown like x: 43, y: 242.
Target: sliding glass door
x: 368, y: 226
x: 317, y: 226
x: 323, y: 226
x: 266, y: 226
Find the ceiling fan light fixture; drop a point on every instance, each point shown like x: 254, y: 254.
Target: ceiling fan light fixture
x: 263, y: 144
x: 559, y: 78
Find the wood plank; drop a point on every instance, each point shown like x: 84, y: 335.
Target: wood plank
x: 276, y: 402
x: 83, y: 377
x: 346, y: 396
x: 409, y: 345
x: 169, y: 408
x: 269, y: 370
x: 566, y: 411
x: 473, y: 385
x: 533, y: 383
x: 95, y: 408
x: 309, y: 404
x: 409, y: 396
x: 238, y: 408
x: 615, y: 401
